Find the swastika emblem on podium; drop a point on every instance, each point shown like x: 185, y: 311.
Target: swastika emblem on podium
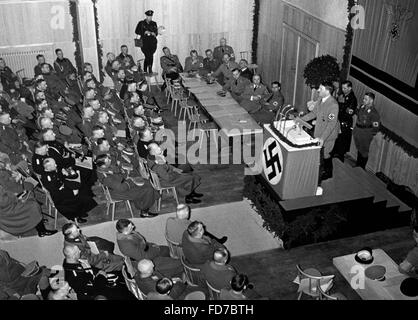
x: 272, y: 161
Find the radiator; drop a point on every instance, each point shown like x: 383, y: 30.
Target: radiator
x: 22, y: 59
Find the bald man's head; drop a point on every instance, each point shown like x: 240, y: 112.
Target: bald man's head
x: 220, y: 256
x: 183, y: 211
x: 145, y: 268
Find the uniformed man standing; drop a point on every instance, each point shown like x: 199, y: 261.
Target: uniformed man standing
x: 347, y: 102
x: 327, y: 126
x: 367, y: 125
x: 148, y: 31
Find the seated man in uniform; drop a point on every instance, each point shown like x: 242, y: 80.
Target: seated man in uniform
x: 63, y: 67
x: 146, y: 279
x: 122, y: 187
x: 171, y: 65
x: 217, y: 272
x: 163, y: 287
x: 254, y: 95
x: 194, y: 63
x: 175, y: 227
x: 271, y: 105
x: 410, y: 265
x: 245, y: 71
x: 185, y: 183
x: 236, y: 85
x: 90, y: 282
x: 198, y: 248
x: 104, y: 260
x: 210, y: 64
x: 134, y: 245
x: 223, y: 48
x: 66, y: 192
x: 125, y: 58
x: 225, y: 69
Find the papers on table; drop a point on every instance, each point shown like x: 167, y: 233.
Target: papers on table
x: 120, y: 134
x: 93, y: 247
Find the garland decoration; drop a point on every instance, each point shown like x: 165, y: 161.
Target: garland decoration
x: 98, y: 44
x: 348, y: 42
x: 76, y: 35
x: 256, y: 23
x: 409, y: 149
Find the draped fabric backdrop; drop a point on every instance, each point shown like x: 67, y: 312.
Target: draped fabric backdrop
x: 189, y: 24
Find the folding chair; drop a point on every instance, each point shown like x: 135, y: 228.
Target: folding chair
x: 155, y: 182
x: 132, y: 286
x: 192, y: 274
x: 310, y: 279
x: 176, y: 251
x: 110, y: 202
x: 214, y: 294
x: 48, y: 202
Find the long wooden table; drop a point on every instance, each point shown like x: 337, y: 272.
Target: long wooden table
x: 389, y: 289
x: 225, y: 111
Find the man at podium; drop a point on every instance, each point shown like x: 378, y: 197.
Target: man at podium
x: 327, y: 127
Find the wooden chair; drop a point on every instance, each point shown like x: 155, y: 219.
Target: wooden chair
x: 129, y: 266
x: 132, y: 286
x: 176, y: 251
x: 326, y: 296
x: 185, y: 108
x: 149, y: 78
x: 155, y: 182
x: 110, y: 202
x: 309, y: 280
x: 195, y: 295
x: 176, y: 96
x: 192, y: 274
x: 48, y: 202
x: 214, y: 294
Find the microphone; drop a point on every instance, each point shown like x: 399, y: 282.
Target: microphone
x: 285, y: 116
x: 281, y: 116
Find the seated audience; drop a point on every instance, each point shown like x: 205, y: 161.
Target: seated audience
x: 62, y: 291
x: 270, y: 105
x: 198, y: 248
x: 185, y: 183
x: 108, y: 68
x: 237, y: 85
x: 146, y: 279
x: 17, y: 280
x: 222, y: 49
x: 175, y: 227
x: 239, y: 283
x: 217, y: 272
x: 410, y: 265
x: 194, y: 63
x: 210, y: 64
x: 66, y: 192
x: 162, y: 291
x: 104, y: 260
x: 225, y: 69
x: 171, y: 65
x: 88, y: 282
x: 134, y: 245
x: 245, y: 71
x: 63, y: 67
x: 7, y: 76
x: 125, y: 58
x: 254, y: 95
x: 122, y: 187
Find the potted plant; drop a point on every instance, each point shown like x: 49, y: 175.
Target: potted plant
x: 320, y: 69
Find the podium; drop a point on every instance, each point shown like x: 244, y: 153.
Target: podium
x: 291, y: 170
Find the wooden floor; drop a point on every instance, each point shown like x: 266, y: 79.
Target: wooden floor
x: 348, y: 184
x: 273, y: 271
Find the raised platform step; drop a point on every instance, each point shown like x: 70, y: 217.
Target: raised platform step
x: 339, y: 189
x: 378, y: 188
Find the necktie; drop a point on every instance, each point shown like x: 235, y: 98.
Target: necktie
x: 255, y: 88
x: 236, y: 82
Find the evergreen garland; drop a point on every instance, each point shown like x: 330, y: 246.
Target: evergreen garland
x: 348, y: 42
x: 98, y: 45
x: 409, y: 149
x: 76, y: 35
x: 256, y: 23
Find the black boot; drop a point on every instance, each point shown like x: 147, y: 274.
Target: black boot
x: 189, y: 199
x: 221, y: 240
x: 196, y: 195
x: 147, y: 214
x: 361, y: 161
x: 42, y: 231
x: 328, y: 168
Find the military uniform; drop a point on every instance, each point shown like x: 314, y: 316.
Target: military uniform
x: 37, y: 160
x: 210, y: 65
x: 126, y: 58
x: 149, y: 42
x: 190, y: 65
x: 63, y: 68
x: 11, y: 143
x: 169, y: 62
x: 69, y: 205
x: 367, y: 125
x: 220, y: 51
x: 225, y: 70
x: 237, y: 87
x: 252, y: 90
x: 347, y: 108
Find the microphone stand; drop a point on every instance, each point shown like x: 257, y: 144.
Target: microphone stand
x: 285, y: 116
x: 281, y: 116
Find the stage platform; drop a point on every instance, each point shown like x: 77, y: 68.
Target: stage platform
x: 349, y: 184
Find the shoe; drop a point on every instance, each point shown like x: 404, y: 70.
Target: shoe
x: 196, y: 195
x: 192, y: 200
x: 223, y: 240
x: 46, y: 233
x: 81, y: 220
x: 147, y: 214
